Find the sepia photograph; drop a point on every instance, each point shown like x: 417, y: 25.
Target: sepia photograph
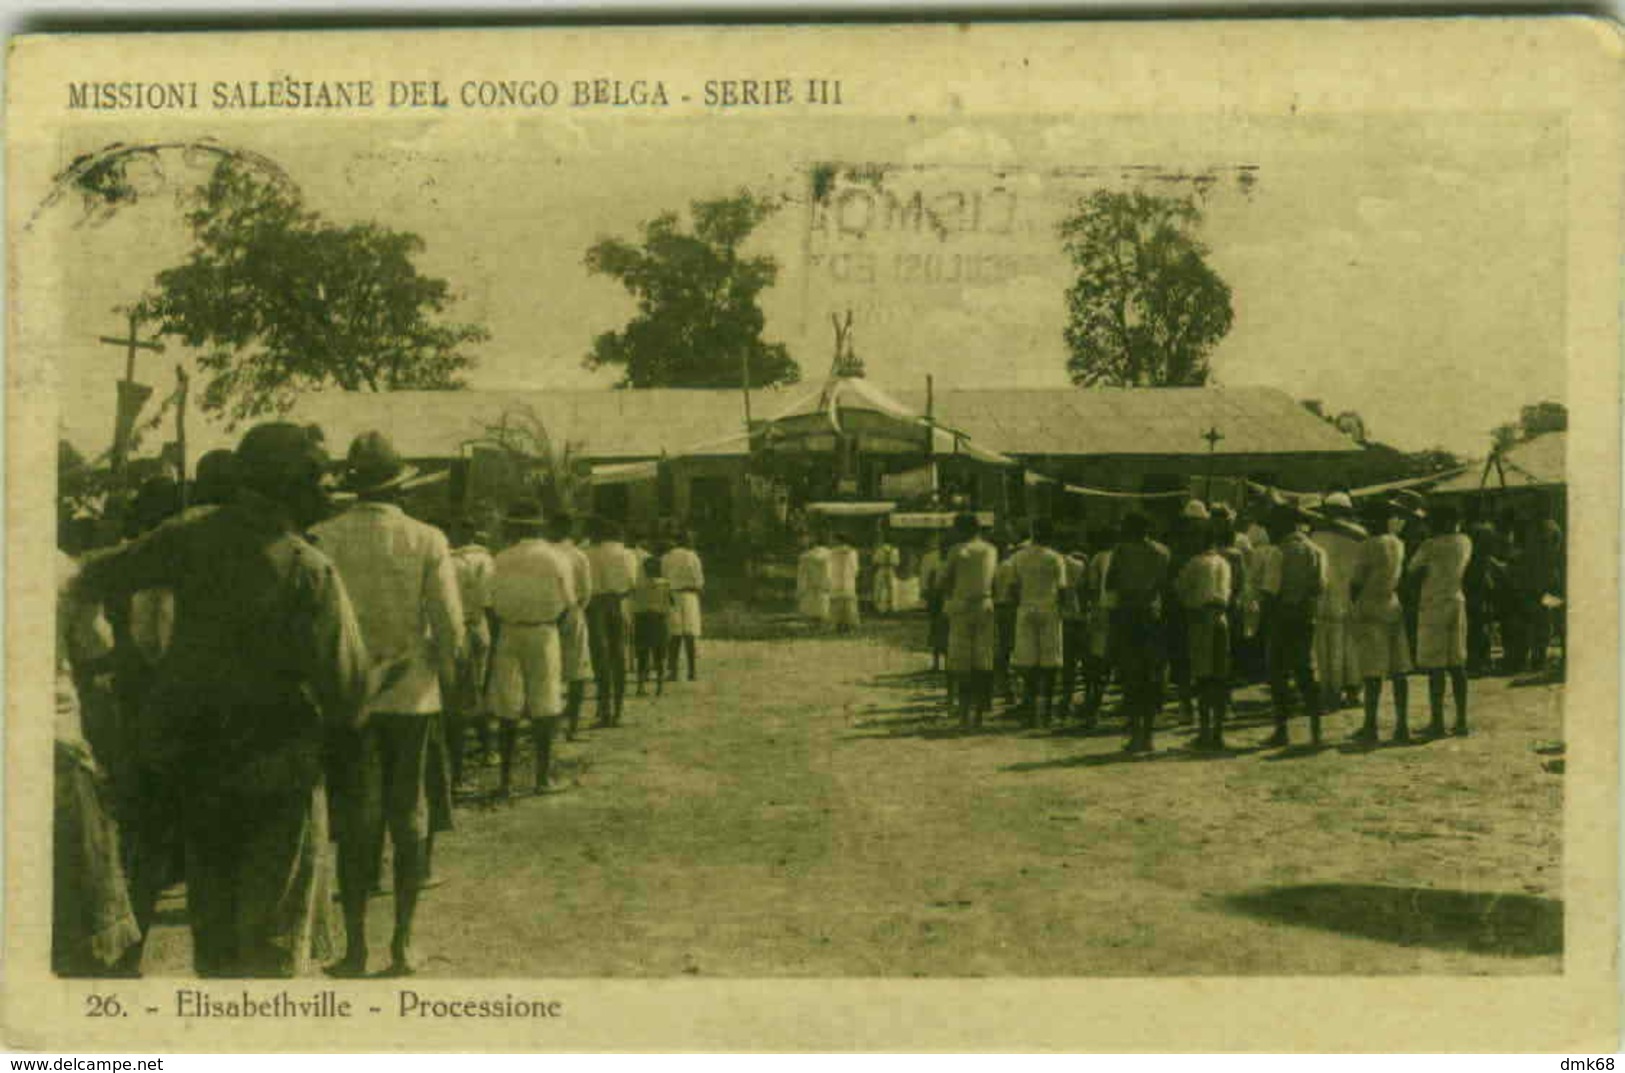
x: 596, y: 505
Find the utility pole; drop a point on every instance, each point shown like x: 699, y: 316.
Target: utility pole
x: 182, y: 390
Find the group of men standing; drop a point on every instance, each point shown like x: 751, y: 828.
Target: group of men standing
x: 315, y: 678
x: 1320, y: 605
x: 829, y: 581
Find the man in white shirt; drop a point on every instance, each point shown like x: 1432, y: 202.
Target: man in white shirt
x: 401, y: 581
x: 812, y: 582
x: 967, y: 589
x: 575, y: 644
x: 533, y: 594
x: 1040, y: 576
x: 1204, y: 588
x: 612, y: 579
x: 1340, y: 537
x: 1384, y: 651
x: 843, y: 584
x: 931, y: 593
x: 681, y: 567
x: 1441, y: 625
x: 471, y: 560
x: 886, y: 561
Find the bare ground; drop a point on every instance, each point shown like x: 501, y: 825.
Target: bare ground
x: 805, y: 809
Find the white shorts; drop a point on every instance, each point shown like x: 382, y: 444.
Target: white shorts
x: 685, y: 614
x: 1381, y: 644
x: 1038, y: 637
x: 525, y: 673
x: 576, y: 652
x: 1441, y: 636
x: 814, y: 606
x: 1335, y: 663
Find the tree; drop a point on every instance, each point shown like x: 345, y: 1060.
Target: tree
x: 556, y: 473
x: 698, y: 322
x: 1541, y: 418
x: 1145, y: 309
x: 282, y: 301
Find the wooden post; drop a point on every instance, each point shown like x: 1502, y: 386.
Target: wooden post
x: 183, y: 388
x: 931, y: 433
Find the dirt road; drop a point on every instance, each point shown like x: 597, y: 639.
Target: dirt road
x: 804, y: 809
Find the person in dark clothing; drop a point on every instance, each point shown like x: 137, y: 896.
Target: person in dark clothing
x: 1538, y: 587
x: 1479, y: 585
x: 265, y: 668
x: 1295, y: 603
x: 1138, y: 581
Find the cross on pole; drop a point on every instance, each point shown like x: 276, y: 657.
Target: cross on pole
x: 1212, y: 436
x: 129, y: 397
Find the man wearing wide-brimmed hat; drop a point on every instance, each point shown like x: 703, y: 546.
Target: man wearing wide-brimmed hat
x: 1340, y: 537
x: 1379, y: 623
x: 265, y: 662
x: 401, y: 580
x: 682, y: 568
x: 1441, y: 632
x: 532, y: 593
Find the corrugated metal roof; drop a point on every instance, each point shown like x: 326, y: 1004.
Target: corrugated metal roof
x: 1134, y: 421
x: 608, y: 425
x: 639, y: 424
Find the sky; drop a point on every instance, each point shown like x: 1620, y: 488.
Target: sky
x: 1407, y: 267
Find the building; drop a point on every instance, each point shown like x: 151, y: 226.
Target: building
x: 683, y: 454
x: 607, y: 445
x: 1148, y: 440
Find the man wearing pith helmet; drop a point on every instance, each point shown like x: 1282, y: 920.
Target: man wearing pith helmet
x: 400, y: 577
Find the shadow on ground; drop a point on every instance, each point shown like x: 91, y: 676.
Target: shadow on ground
x: 1480, y: 922
x: 1181, y: 752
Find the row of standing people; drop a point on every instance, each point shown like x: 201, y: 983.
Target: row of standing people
x: 306, y: 665
x: 1312, y: 600
x: 545, y: 616
x: 829, y: 581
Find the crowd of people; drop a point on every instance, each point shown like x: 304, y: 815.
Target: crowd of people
x: 1326, y: 605
x: 256, y: 692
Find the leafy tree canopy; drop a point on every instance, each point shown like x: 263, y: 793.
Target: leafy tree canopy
x: 698, y: 321
x: 280, y: 301
x: 1542, y: 417
x: 1145, y: 309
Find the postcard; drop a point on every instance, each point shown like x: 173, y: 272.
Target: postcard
x: 955, y: 537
